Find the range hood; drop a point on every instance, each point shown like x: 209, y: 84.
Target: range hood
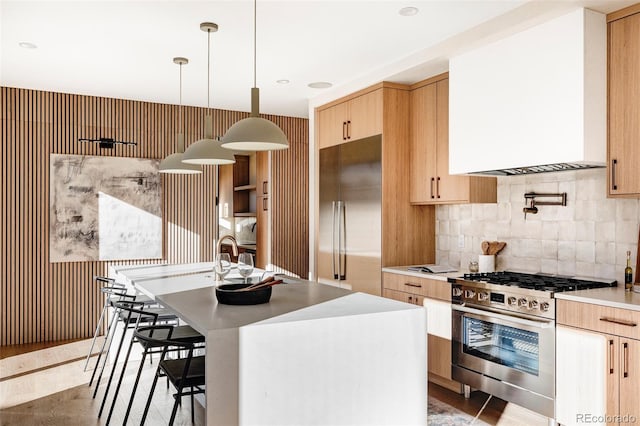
x: 532, y: 102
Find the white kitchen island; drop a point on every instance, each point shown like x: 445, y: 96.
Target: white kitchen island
x: 314, y: 355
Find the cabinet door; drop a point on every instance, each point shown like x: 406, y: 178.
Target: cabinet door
x: 629, y: 377
x: 364, y: 116
x: 423, y: 144
x: 586, y: 375
x: 448, y: 188
x: 262, y: 174
x: 332, y: 125
x: 624, y: 106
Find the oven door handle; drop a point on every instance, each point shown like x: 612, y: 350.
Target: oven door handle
x: 507, y: 318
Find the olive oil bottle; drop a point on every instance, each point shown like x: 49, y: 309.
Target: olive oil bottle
x: 628, y: 274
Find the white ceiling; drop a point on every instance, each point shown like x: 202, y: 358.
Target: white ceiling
x: 124, y: 49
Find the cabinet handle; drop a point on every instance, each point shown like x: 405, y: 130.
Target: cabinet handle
x: 264, y: 187
x: 348, y: 129
x: 344, y: 130
x: 610, y: 356
x: 625, y: 352
x: 265, y: 204
x: 614, y: 165
x: 619, y: 321
x: 438, y: 186
x: 432, y: 180
x: 413, y: 285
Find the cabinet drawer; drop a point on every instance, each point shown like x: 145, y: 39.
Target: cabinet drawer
x: 414, y: 299
x: 603, y: 319
x: 435, y: 289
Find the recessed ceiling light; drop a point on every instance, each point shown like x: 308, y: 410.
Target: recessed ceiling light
x: 282, y: 81
x: 408, y: 11
x: 27, y: 45
x: 320, y: 85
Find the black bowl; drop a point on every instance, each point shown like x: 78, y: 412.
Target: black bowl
x: 227, y: 294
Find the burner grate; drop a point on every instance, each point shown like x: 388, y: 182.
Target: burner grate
x: 550, y: 283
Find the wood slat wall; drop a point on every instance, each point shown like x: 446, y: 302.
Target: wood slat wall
x: 42, y: 301
x: 290, y: 201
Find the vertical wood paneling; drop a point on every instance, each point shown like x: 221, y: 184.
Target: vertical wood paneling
x: 290, y: 199
x: 42, y: 301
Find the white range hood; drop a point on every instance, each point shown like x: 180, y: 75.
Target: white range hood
x: 534, y: 101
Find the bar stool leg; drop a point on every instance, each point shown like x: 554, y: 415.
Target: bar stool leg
x: 108, y: 337
x: 95, y: 334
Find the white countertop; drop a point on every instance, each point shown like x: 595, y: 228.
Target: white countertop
x: 614, y: 297
x: 403, y: 270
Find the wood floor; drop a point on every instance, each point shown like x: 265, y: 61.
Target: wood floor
x: 45, y: 386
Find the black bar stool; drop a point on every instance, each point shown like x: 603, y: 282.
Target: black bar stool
x: 181, y: 333
x: 131, y: 314
x: 183, y: 373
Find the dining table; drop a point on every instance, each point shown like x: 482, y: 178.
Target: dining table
x: 313, y: 354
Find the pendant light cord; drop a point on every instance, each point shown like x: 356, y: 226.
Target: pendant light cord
x: 180, y: 106
x: 208, y: 63
x: 255, y: 32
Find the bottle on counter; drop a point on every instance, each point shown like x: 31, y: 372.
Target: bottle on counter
x: 628, y: 274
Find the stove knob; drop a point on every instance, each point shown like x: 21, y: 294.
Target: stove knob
x: 533, y: 304
x: 512, y: 301
x: 483, y: 295
x: 522, y: 302
x: 456, y: 292
x: 469, y: 294
x: 544, y: 306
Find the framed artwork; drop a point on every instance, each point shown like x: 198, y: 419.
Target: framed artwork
x: 104, y: 208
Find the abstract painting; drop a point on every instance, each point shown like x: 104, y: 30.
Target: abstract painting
x: 104, y: 208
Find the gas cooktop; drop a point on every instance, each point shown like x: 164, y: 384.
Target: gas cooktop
x: 541, y: 282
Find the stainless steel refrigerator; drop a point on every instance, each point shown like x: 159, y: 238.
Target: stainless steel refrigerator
x: 350, y: 220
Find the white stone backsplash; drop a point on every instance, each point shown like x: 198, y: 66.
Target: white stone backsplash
x: 588, y: 237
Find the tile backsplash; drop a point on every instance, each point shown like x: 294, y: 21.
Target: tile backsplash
x: 588, y: 237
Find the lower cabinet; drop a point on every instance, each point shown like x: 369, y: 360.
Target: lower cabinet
x: 435, y: 296
x: 597, y: 372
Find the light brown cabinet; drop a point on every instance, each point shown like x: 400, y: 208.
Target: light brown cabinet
x: 624, y: 104
x: 431, y: 182
x: 353, y: 119
x: 435, y: 295
x: 606, y: 342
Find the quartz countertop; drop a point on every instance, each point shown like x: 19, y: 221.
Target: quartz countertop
x: 614, y: 297
x: 403, y: 270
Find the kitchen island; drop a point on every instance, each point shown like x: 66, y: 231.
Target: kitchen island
x: 315, y: 354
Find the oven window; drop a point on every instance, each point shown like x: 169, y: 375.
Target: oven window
x: 509, y: 346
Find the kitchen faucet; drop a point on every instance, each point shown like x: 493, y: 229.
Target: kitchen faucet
x: 234, y: 244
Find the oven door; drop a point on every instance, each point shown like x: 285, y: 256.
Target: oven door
x: 508, y: 347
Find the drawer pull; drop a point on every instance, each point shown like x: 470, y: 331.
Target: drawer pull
x: 611, y: 356
x: 413, y: 285
x: 625, y: 368
x: 619, y: 321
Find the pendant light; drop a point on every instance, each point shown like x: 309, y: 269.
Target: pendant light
x: 173, y: 163
x: 208, y: 150
x: 255, y: 133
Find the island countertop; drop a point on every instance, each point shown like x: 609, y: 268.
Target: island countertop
x: 344, y: 351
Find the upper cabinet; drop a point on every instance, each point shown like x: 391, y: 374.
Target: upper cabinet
x: 430, y: 181
x: 624, y: 105
x: 356, y: 118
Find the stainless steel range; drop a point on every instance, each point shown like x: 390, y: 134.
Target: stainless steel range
x: 503, y: 334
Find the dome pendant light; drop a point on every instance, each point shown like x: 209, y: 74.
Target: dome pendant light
x: 208, y: 150
x: 173, y: 163
x: 255, y: 133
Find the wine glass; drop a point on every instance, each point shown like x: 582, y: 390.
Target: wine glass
x: 245, y: 265
x: 222, y: 265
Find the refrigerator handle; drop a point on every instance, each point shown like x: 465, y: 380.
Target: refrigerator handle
x: 342, y: 246
x: 333, y: 240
